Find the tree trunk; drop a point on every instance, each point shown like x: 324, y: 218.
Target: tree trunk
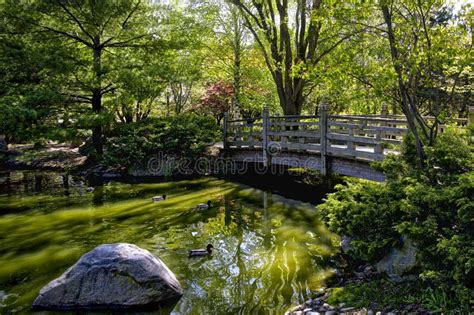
x: 407, y: 108
x: 237, y: 47
x: 97, y: 131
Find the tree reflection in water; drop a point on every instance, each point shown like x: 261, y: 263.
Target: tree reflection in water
x: 270, y: 252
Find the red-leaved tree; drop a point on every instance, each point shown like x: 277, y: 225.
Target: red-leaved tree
x: 217, y: 100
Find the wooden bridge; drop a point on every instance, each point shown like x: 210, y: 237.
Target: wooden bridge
x: 342, y: 144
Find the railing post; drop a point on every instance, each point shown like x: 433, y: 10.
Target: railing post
x: 384, y: 114
x: 224, y: 132
x: 265, y: 117
x: 323, y: 125
x: 378, y: 147
x: 350, y: 142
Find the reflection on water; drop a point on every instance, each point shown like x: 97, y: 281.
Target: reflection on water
x: 270, y: 252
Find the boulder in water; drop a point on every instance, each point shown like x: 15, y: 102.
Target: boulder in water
x: 112, y: 276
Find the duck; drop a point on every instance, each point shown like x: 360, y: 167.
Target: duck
x: 158, y: 198
x: 204, y: 206
x: 90, y: 189
x: 201, y: 252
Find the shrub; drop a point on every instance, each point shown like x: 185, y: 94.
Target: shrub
x: 186, y: 135
x: 433, y: 206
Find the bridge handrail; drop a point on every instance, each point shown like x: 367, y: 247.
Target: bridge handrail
x: 365, y: 137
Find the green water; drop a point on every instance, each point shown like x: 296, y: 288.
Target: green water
x: 270, y: 252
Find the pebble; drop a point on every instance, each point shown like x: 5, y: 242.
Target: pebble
x: 317, y: 302
x: 313, y: 313
x: 370, y: 312
x: 347, y: 309
x: 330, y: 313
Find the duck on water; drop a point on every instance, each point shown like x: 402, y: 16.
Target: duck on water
x: 201, y: 252
x: 158, y: 198
x: 204, y: 206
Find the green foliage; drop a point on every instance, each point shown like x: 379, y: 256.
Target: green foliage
x: 395, y: 296
x: 186, y: 135
x: 434, y: 207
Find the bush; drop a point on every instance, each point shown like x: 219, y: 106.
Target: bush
x: 433, y: 206
x: 185, y: 135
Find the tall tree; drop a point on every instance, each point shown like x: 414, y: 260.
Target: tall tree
x: 97, y: 33
x: 294, y: 35
x: 429, y: 56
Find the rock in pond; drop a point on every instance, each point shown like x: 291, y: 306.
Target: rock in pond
x: 112, y: 276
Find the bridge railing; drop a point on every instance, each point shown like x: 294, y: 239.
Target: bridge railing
x: 300, y: 133
x: 363, y: 137
x: 243, y: 133
x: 368, y: 137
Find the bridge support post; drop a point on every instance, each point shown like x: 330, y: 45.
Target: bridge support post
x: 225, y: 143
x: 323, y: 125
x: 265, y: 117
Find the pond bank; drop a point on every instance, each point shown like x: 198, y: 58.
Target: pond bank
x: 51, y: 157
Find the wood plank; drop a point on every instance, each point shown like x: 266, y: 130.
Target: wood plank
x: 300, y: 146
x: 373, y: 129
x: 335, y: 151
x: 244, y: 133
x: 244, y: 120
x: 293, y: 123
x: 244, y: 143
x: 346, y: 138
x: 303, y: 134
x: 294, y: 117
x: 368, y: 119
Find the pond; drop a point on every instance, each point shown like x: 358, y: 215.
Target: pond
x: 270, y: 251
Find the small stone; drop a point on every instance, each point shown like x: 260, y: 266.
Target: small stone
x: 348, y: 309
x: 342, y: 304
x: 298, y: 313
x: 378, y: 313
x: 391, y: 313
x: 306, y: 310
x: 330, y: 313
x: 317, y: 302
x: 370, y: 312
x: 313, y: 313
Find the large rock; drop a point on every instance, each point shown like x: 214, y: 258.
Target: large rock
x: 112, y: 276
x: 398, y: 261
